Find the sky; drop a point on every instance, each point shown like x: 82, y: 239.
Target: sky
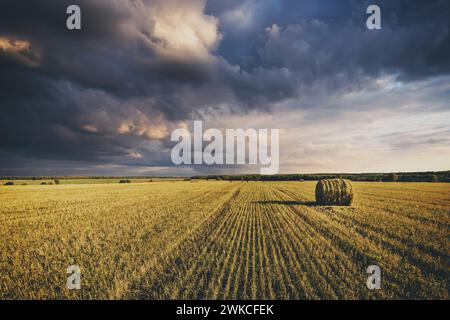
x: 104, y: 100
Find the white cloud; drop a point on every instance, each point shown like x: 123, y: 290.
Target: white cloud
x: 175, y: 29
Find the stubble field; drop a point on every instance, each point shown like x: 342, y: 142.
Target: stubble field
x: 223, y: 240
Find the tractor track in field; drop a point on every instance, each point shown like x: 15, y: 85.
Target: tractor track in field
x: 252, y: 249
x: 225, y: 259
x: 172, y: 257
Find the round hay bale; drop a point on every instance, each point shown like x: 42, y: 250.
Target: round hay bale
x: 334, y: 192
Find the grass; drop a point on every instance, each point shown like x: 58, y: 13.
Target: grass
x: 207, y: 240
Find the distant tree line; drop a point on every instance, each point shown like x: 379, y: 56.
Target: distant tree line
x: 441, y: 176
x: 431, y: 176
x: 71, y: 177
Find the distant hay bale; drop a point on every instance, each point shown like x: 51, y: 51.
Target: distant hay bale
x: 334, y: 192
x: 48, y: 183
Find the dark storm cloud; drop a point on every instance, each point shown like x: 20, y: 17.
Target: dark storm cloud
x: 103, y: 93
x: 105, y: 54
x: 85, y: 84
x: 414, y: 39
x: 325, y: 42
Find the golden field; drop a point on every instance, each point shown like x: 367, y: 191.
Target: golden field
x: 224, y: 240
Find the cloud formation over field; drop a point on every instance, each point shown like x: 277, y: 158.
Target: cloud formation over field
x: 108, y: 96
